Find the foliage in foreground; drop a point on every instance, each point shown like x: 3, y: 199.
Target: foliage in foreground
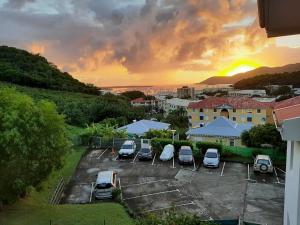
x: 32, y: 142
x: 173, y: 218
x: 159, y: 134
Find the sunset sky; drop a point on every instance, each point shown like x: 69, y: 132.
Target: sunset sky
x: 145, y: 42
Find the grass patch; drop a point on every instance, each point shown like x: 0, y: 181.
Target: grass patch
x: 34, y: 210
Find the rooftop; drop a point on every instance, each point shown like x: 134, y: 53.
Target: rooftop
x: 234, y: 102
x: 221, y: 127
x: 180, y: 102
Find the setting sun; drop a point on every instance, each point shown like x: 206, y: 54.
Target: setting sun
x: 240, y: 66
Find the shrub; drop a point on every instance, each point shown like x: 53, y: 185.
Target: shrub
x: 203, y: 146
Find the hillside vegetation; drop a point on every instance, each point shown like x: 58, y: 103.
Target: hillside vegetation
x: 250, y: 74
x: 292, y: 78
x: 26, y: 69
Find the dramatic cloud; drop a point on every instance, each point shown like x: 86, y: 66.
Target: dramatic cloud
x: 105, y: 41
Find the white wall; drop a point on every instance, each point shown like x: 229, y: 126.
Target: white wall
x: 292, y: 185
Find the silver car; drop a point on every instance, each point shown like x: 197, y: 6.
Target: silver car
x: 105, y: 184
x: 186, y: 155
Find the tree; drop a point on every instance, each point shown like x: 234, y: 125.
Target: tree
x: 103, y: 130
x: 133, y: 94
x: 159, y: 134
x: 32, y: 142
x: 179, y: 121
x: 263, y: 134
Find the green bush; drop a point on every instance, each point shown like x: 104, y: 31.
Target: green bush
x: 203, y: 146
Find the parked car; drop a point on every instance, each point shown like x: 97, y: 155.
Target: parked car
x: 211, y: 158
x: 185, y: 155
x: 106, y: 183
x: 263, y: 164
x: 167, y: 153
x: 128, y: 149
x: 145, y: 153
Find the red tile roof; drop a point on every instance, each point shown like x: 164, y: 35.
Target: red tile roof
x: 287, y: 113
x: 139, y: 100
x: 234, y: 102
x: 288, y: 102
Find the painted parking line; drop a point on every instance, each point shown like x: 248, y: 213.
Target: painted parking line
x: 153, y: 159
x: 152, y: 194
x: 278, y: 181
x: 135, y: 158
x: 102, y: 153
x: 169, y: 207
x: 222, y: 172
x: 143, y: 183
x: 173, y: 163
x: 121, y: 194
x: 248, y: 178
x: 92, y: 190
x: 194, y: 164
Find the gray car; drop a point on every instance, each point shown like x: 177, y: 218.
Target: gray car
x: 105, y: 184
x: 185, y: 155
x: 145, y: 154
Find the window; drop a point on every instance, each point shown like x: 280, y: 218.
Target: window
x: 201, y: 110
x: 215, y: 117
x: 249, y: 119
x: 258, y: 110
x: 190, y: 124
x: 190, y: 117
x: 201, y: 124
x: 193, y: 110
x: 234, y: 110
x: 215, y: 110
x: 201, y: 117
x: 231, y: 142
x: 234, y: 118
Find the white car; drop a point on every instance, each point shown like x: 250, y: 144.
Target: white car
x: 211, y: 158
x: 106, y: 183
x: 167, y: 153
x: 128, y: 149
x: 263, y: 164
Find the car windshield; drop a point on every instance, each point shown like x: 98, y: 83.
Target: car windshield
x: 263, y: 161
x: 127, y: 147
x: 211, y: 155
x: 186, y: 152
x: 103, y: 186
x: 145, y: 150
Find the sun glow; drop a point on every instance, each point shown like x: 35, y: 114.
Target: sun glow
x: 240, y: 66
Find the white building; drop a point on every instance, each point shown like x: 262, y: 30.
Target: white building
x: 247, y: 93
x: 186, y: 92
x: 287, y: 119
x: 143, y: 102
x: 176, y: 103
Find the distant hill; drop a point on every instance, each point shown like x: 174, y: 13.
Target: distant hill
x: 292, y: 78
x: 26, y: 69
x: 259, y: 71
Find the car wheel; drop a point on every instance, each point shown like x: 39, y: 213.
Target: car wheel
x: 263, y: 167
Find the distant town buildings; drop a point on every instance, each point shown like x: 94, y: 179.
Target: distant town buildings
x: 175, y: 104
x: 221, y: 130
x: 247, y: 93
x: 186, y: 92
x: 144, y: 102
x: 238, y: 109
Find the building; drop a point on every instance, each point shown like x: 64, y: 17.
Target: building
x: 140, y: 128
x: 175, y: 104
x: 238, y: 109
x: 247, y: 93
x: 143, y: 102
x: 287, y: 120
x: 221, y: 130
x: 186, y: 92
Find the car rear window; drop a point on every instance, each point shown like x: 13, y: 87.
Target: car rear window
x: 103, y: 186
x: 185, y: 152
x: 263, y: 161
x: 145, y: 150
x: 127, y: 147
x: 211, y: 155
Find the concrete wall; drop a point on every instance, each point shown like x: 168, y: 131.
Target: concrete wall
x: 262, y: 117
x: 224, y: 140
x: 292, y: 185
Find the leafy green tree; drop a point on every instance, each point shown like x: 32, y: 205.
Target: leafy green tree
x: 32, y: 142
x: 133, y: 94
x: 159, y: 134
x: 263, y: 134
x: 103, y: 130
x: 179, y: 121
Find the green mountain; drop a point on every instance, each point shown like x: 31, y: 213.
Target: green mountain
x: 253, y: 73
x: 26, y: 69
x: 292, y: 78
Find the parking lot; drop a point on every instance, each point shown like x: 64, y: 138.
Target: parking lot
x: 227, y: 192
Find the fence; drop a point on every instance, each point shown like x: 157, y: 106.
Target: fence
x: 55, y: 198
x: 103, y: 142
